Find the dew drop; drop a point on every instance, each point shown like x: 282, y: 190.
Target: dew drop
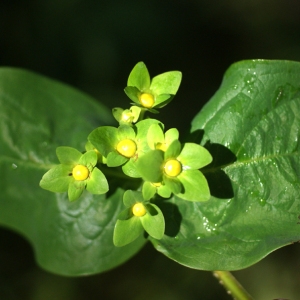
x: 262, y: 202
x: 14, y: 166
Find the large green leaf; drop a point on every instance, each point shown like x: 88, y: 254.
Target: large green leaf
x: 252, y: 128
x: 36, y: 116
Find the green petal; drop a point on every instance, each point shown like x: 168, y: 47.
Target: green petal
x: 166, y: 83
x: 141, y: 136
x: 139, y: 77
x: 117, y: 113
x: 97, y: 183
x: 148, y: 190
x: 133, y: 94
x: 195, y: 186
x: 150, y: 165
x: 171, y: 135
x: 88, y: 159
x: 132, y: 197
x: 75, y: 189
x: 105, y: 139
x: 57, y: 179
x: 194, y: 156
x: 173, y: 150
x: 125, y: 132
x: 153, y: 221
x: 130, y: 169
x: 89, y: 146
x: 136, y: 113
x: 68, y: 155
x: 114, y: 159
x: 162, y: 100
x: 155, y: 135
x: 173, y: 184
x: 164, y: 191
x: 125, y: 214
x: 126, y: 231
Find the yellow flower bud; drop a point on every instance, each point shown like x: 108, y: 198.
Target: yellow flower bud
x: 127, y: 148
x: 147, y: 100
x: 139, y: 209
x: 172, y: 168
x: 80, y: 172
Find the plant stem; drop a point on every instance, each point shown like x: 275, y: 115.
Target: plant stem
x: 232, y: 286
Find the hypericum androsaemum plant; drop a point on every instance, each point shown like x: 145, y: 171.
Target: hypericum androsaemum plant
x: 240, y: 178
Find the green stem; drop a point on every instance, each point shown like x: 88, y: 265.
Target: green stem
x: 232, y: 286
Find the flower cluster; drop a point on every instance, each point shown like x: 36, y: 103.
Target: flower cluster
x: 141, y: 148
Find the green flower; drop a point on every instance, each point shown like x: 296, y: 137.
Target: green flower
x: 149, y: 189
x: 127, y: 116
x: 155, y: 93
x: 123, y: 146
x: 157, y: 139
x: 76, y: 172
x: 138, y: 216
x: 177, y: 169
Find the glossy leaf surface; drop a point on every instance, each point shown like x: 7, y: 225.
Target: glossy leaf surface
x: 36, y: 116
x: 251, y: 128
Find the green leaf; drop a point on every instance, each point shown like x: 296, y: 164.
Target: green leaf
x: 126, y: 231
x: 166, y: 83
x: 255, y: 115
x: 139, y: 77
x: 36, y: 116
x: 194, y: 156
x: 105, y: 139
x: 153, y: 222
x: 68, y: 155
x: 97, y: 183
x: 57, y: 179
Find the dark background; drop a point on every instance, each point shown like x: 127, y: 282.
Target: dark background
x: 93, y: 45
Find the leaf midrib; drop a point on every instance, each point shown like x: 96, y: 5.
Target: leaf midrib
x: 237, y: 164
